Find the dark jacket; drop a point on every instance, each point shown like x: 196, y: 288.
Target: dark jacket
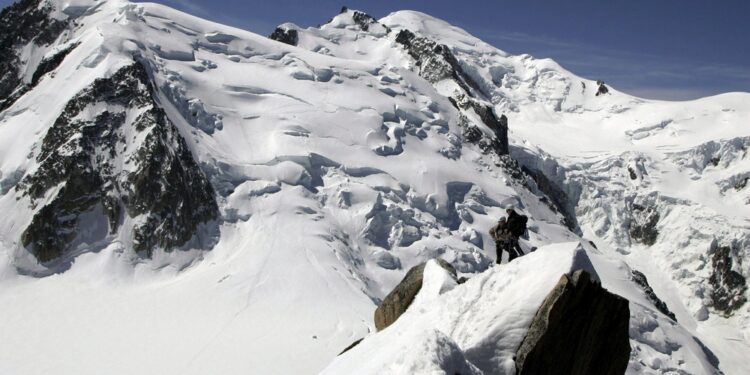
x: 517, y: 223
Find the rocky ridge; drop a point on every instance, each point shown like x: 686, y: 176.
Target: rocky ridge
x: 336, y: 194
x: 23, y: 23
x: 124, y: 161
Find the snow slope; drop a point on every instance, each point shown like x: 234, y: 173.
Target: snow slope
x: 336, y: 168
x: 473, y: 329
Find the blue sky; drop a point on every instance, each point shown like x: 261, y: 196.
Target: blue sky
x: 665, y: 49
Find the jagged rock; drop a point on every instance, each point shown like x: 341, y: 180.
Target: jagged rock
x: 51, y: 63
x: 472, y: 134
x: 22, y: 23
x: 555, y: 197
x: 511, y: 167
x: 580, y: 328
x: 741, y: 183
x: 642, y: 226
x: 285, y: 35
x: 640, y: 279
x: 364, y: 20
x: 728, y: 286
x: 436, y: 61
x: 499, y: 126
x: 602, y: 89
x: 159, y: 185
x: 399, y: 299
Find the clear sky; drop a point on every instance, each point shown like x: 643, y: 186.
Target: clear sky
x: 662, y: 49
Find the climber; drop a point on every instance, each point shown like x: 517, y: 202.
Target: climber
x: 516, y: 228
x: 501, y: 235
x: 506, y: 234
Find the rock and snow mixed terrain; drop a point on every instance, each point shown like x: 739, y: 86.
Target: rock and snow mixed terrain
x: 186, y: 197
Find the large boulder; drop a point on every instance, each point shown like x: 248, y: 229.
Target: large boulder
x: 580, y: 328
x: 399, y: 299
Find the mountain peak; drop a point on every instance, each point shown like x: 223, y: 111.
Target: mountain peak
x: 159, y: 171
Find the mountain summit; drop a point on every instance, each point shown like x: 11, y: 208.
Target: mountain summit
x: 186, y: 197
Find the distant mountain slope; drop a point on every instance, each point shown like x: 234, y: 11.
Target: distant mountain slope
x: 187, y: 197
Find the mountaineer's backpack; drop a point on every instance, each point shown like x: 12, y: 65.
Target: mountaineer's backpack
x: 517, y: 225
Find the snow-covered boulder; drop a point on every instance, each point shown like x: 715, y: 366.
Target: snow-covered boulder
x: 433, y: 275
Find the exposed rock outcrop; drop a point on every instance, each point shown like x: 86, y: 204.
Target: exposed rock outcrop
x: 285, y: 35
x: 728, y: 286
x: 602, y: 88
x: 113, y: 152
x: 640, y: 279
x: 436, y: 62
x: 555, y: 197
x: 580, y: 328
x: 51, y: 63
x: 362, y: 19
x: 22, y: 23
x: 642, y: 227
x: 399, y: 299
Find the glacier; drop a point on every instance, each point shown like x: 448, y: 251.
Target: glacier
x: 297, y: 181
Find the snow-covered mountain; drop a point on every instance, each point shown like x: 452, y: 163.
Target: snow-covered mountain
x: 186, y: 197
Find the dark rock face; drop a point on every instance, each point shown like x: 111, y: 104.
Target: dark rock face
x: 640, y: 279
x: 49, y: 64
x: 602, y: 89
x: 554, y: 197
x: 98, y: 170
x: 20, y: 24
x: 741, y: 184
x: 288, y: 36
x: 436, y: 62
x: 399, y: 299
x: 642, y: 226
x: 728, y: 286
x: 580, y: 328
x: 363, y: 19
x: 472, y: 134
x: 497, y: 144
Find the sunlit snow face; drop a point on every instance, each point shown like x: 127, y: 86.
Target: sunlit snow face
x: 336, y: 168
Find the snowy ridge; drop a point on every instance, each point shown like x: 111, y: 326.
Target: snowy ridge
x: 472, y: 329
x: 336, y: 166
